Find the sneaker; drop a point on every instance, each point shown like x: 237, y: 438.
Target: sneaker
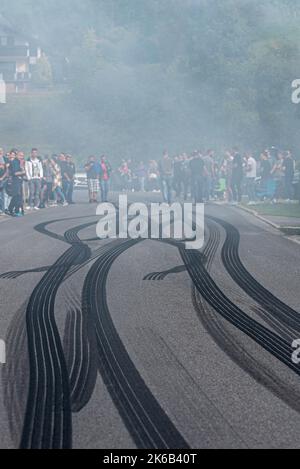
x: 36, y: 208
x: 65, y: 204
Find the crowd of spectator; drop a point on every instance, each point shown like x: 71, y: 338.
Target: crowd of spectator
x: 203, y: 176
x: 34, y: 183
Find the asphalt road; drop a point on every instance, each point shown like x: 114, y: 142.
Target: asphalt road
x: 143, y: 344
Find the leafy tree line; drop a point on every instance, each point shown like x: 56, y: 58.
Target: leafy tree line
x: 148, y: 74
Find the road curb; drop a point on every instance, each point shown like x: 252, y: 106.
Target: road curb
x: 287, y: 230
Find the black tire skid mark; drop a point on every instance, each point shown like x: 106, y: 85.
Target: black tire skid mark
x: 284, y: 331
x: 209, y: 290
x: 235, y: 268
x: 42, y: 227
x: 146, y: 421
x: 207, y: 255
x: 241, y: 357
x: 162, y: 275
x: 47, y: 422
x: 212, y: 294
x: 14, y: 274
x: 277, y: 326
x: 237, y: 352
x: 48, y: 374
x: 79, y: 346
x: 261, y: 373
x: 15, y: 374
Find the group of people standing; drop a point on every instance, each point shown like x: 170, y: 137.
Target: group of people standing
x: 35, y: 182
x: 203, y: 177
x: 270, y: 177
x: 98, y: 176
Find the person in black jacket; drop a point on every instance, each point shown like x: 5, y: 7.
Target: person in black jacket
x: 16, y: 173
x: 237, y: 176
x: 198, y: 171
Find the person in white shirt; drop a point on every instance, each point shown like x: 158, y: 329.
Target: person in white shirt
x: 251, y: 175
x: 34, y: 174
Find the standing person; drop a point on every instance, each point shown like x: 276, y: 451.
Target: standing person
x: 289, y: 174
x: 8, y: 158
x: 267, y: 182
x: 16, y: 172
x: 47, y: 191
x: 177, y: 180
x: 237, y: 176
x: 126, y: 176
x: 153, y: 176
x: 186, y: 175
x: 21, y: 158
x: 34, y: 174
x: 210, y: 174
x: 226, y: 170
x: 278, y: 175
x: 3, y: 177
x: 57, y: 184
x: 70, y: 172
x: 104, y: 178
x: 166, y: 177
x: 198, y: 172
x: 94, y: 171
x: 251, y: 175
x: 141, y: 174
x: 62, y: 162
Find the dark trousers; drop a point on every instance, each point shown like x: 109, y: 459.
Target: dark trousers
x: 236, y: 187
x: 68, y: 189
x: 177, y: 185
x: 198, y: 189
x: 104, y: 190
x: 166, y: 188
x: 16, y: 202
x: 65, y: 187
